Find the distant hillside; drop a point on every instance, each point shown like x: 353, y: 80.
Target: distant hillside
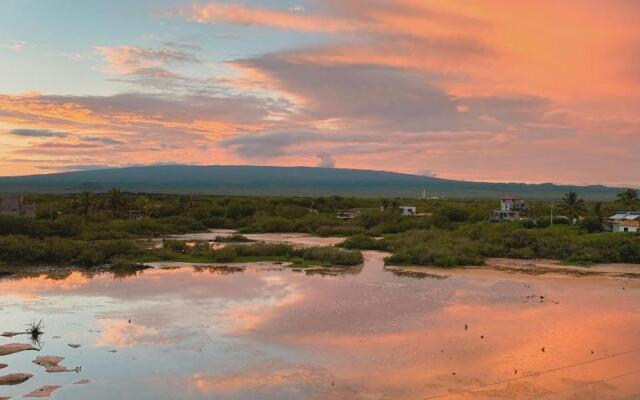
x: 304, y: 181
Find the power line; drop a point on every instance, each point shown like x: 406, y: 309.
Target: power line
x: 585, y: 384
x: 532, y: 374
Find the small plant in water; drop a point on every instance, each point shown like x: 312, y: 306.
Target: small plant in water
x: 35, y: 330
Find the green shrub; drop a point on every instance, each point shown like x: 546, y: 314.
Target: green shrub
x: 177, y: 246
x: 333, y: 256
x: 361, y: 242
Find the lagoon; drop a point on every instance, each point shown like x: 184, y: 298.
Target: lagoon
x: 179, y: 331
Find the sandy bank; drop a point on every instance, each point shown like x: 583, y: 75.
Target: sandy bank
x: 293, y: 238
x: 14, y: 379
x: 45, y: 391
x: 531, y: 267
x: 52, y: 364
x: 11, y: 348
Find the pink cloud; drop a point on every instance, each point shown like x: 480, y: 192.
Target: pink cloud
x: 540, y: 90
x: 129, y: 59
x: 283, y: 19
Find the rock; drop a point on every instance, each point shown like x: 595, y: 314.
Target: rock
x: 48, y: 360
x: 11, y: 348
x: 45, y: 391
x: 12, y: 334
x: 75, y: 346
x: 14, y: 379
x: 50, y: 363
x: 82, y: 382
x: 5, y: 365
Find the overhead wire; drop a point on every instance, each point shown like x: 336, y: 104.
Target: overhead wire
x: 530, y: 375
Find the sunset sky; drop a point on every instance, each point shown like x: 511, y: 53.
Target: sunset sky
x: 494, y: 90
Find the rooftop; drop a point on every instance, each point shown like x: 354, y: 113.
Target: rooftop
x: 629, y: 215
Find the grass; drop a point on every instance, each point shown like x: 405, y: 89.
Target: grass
x: 203, y: 259
x: 577, y: 263
x: 195, y: 259
x: 293, y: 262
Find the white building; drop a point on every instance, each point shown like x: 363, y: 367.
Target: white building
x: 15, y: 206
x: 625, y: 221
x: 408, y: 210
x: 510, y: 209
x: 348, y: 214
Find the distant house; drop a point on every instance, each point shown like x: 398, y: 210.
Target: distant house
x: 625, y: 221
x: 136, y: 215
x: 348, y: 214
x: 408, y: 210
x: 14, y: 205
x: 511, y: 209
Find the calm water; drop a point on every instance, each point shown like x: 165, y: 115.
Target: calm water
x: 270, y: 333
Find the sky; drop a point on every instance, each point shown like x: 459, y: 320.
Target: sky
x: 493, y: 90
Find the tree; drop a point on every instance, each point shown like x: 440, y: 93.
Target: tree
x: 144, y: 205
x: 86, y: 201
x: 185, y: 203
x: 385, y: 204
x: 572, y: 206
x: 629, y: 199
x: 598, y: 212
x: 114, y: 200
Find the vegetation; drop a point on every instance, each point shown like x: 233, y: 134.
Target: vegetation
x: 362, y: 242
x: 470, y: 244
x: 18, y: 249
x: 572, y: 206
x: 90, y: 229
x: 629, y: 199
x: 202, y: 252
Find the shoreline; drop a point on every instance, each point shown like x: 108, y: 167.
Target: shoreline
x: 524, y: 266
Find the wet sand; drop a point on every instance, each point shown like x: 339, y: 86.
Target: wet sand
x: 531, y: 267
x: 299, y: 239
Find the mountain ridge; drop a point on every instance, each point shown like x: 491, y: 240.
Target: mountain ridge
x: 275, y: 181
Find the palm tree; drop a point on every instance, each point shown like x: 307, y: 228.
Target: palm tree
x: 597, y: 211
x: 572, y: 206
x: 629, y: 199
x: 86, y: 201
x: 114, y: 198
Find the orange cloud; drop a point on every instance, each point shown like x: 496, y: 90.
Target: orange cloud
x: 34, y: 108
x: 545, y: 85
x: 536, y: 48
x: 238, y: 14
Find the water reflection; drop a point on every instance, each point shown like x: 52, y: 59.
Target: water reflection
x: 265, y: 332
